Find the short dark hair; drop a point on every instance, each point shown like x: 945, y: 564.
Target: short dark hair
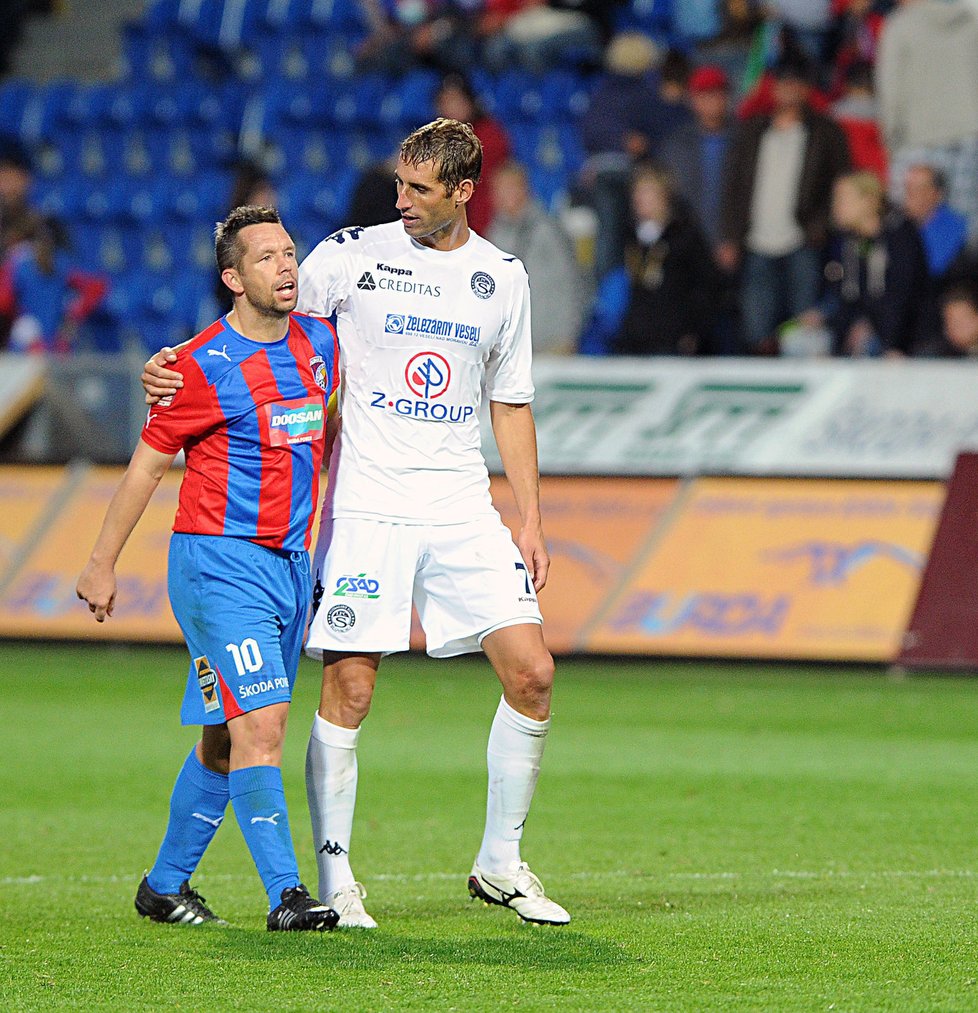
x: 963, y: 291
x: 451, y: 146
x: 228, y: 248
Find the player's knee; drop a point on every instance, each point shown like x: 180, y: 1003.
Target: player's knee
x: 354, y: 700
x: 533, y: 681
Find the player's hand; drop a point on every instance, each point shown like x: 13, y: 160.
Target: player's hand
x: 533, y: 548
x: 97, y: 586
x: 157, y: 380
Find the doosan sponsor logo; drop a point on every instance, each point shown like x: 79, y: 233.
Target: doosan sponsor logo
x: 297, y: 418
x: 297, y: 421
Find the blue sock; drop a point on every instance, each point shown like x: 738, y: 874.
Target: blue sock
x: 197, y: 806
x: 259, y: 805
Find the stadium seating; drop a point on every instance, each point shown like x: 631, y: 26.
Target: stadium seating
x: 144, y: 163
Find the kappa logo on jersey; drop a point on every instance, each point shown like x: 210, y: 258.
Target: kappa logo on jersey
x: 341, y: 618
x: 394, y: 270
x: 344, y: 234
x: 296, y: 421
x: 483, y: 285
x: 428, y: 375
x: 360, y: 586
x: 366, y: 282
x: 432, y: 327
x: 318, y: 367
x: 207, y: 680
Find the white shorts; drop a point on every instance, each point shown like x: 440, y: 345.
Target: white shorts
x: 466, y: 580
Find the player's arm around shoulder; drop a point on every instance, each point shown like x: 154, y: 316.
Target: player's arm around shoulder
x: 97, y: 583
x: 516, y: 439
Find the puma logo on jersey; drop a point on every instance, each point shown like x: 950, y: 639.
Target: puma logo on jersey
x: 222, y: 354
x: 273, y: 819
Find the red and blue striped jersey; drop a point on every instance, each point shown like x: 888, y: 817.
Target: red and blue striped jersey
x: 251, y: 419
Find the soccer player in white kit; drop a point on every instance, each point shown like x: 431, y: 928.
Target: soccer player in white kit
x: 431, y: 319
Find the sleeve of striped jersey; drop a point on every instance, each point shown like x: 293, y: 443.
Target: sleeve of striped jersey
x: 193, y: 411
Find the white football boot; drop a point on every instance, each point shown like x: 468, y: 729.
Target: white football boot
x: 347, y: 902
x: 518, y: 889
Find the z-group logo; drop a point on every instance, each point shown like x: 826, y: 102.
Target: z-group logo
x: 428, y: 376
x: 296, y: 421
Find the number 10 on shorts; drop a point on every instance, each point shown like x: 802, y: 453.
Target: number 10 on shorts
x: 247, y: 656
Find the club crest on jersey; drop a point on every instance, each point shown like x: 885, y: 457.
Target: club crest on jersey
x: 295, y: 421
x: 483, y: 285
x: 318, y: 367
x: 207, y: 680
x: 428, y: 375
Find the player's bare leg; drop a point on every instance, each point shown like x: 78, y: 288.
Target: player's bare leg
x: 331, y: 779
x: 516, y: 740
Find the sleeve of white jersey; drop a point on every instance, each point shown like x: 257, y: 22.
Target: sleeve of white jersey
x: 323, y: 280
x: 508, y: 373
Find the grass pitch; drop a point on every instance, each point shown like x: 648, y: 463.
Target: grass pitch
x: 725, y: 836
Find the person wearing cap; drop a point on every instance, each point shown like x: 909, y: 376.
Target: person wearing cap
x: 776, y: 204
x: 696, y: 150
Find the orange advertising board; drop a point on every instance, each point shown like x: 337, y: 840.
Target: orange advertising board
x: 25, y: 498
x: 40, y: 600
x: 778, y: 568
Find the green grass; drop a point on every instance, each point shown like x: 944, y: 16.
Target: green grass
x: 725, y: 836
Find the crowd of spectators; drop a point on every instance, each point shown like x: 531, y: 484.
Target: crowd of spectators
x: 797, y: 177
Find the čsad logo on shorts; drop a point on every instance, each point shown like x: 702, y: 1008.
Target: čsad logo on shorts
x: 357, y: 586
x: 428, y: 375
x: 341, y: 618
x: 483, y: 285
x: 207, y: 680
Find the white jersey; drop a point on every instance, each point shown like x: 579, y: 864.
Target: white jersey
x: 424, y: 336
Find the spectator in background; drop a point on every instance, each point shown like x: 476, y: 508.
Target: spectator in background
x: 456, y: 100
x: 959, y: 317
x: 664, y: 300
x: 878, y: 285
x: 853, y: 39
x: 45, y: 296
x: 522, y: 227
x: 625, y: 123
x: 944, y: 231
x: 695, y: 151
x: 776, y: 203
x: 539, y: 35
x: 17, y: 218
x: 440, y: 34
x: 856, y: 113
x: 375, y: 197
x: 927, y: 84
x: 808, y: 21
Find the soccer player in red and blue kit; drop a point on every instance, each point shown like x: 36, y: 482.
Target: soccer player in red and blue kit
x: 251, y: 419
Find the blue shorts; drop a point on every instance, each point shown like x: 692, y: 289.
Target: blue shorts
x: 243, y: 611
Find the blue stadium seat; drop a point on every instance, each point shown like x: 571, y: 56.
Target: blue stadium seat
x: 344, y: 16
x: 409, y: 102
x: 14, y: 96
x: 518, y: 95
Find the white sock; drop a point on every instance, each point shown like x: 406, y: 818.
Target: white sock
x: 331, y: 787
x: 513, y: 756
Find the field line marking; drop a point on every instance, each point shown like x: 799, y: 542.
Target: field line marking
x: 424, y: 877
